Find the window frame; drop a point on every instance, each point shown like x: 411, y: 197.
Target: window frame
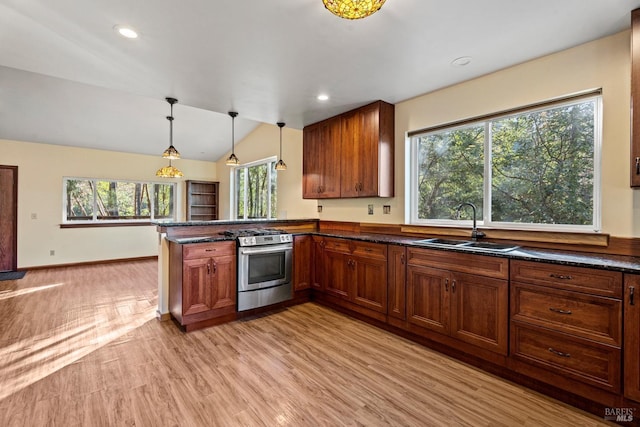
x: 115, y: 222
x: 233, y: 193
x: 484, y: 217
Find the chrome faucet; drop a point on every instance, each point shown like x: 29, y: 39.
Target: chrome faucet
x: 475, y: 234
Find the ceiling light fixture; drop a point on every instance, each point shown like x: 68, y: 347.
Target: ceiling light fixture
x: 353, y: 9
x: 281, y: 166
x: 171, y: 152
x: 126, y: 32
x: 233, y: 160
x: 323, y: 97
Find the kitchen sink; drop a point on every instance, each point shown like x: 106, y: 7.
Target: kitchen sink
x: 467, y: 244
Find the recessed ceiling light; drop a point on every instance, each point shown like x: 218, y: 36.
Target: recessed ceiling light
x: 461, y: 62
x: 323, y: 97
x: 126, y: 32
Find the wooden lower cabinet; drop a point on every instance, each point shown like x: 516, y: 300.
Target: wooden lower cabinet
x: 566, y: 327
x: 396, y: 282
x: 202, y: 283
x: 302, y: 272
x: 470, y: 308
x: 632, y: 337
x: 354, y: 272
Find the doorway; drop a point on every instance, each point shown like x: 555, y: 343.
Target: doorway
x: 8, y: 218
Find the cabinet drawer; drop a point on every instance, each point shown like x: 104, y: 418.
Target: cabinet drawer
x: 203, y: 250
x: 338, y: 245
x: 370, y: 250
x: 586, y: 361
x: 588, y: 316
x: 589, y: 280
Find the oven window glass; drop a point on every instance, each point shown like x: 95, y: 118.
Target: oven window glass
x: 266, y: 267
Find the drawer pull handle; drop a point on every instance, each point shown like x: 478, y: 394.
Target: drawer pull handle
x: 559, y: 310
x: 446, y: 285
x: 560, y: 276
x: 632, y: 291
x: 453, y: 286
x: 559, y: 353
x: 637, y: 165
x: 368, y: 249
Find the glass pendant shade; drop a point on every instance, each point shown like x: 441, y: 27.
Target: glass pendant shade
x: 281, y: 165
x: 169, y: 172
x: 171, y: 153
x: 232, y: 160
x: 353, y: 9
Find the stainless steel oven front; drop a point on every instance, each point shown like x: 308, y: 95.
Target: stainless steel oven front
x: 264, y: 275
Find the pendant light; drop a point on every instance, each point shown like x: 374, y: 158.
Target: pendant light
x: 281, y: 166
x: 353, y: 9
x: 233, y: 160
x: 171, y: 152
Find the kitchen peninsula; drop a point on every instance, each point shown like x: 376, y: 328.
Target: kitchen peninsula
x: 561, y: 322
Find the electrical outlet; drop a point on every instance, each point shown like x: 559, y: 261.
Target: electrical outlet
x: 386, y: 209
x: 319, y: 208
x: 370, y: 209
x: 34, y: 216
x: 52, y: 252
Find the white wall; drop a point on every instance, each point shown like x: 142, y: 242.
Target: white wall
x: 262, y: 143
x: 603, y: 63
x: 41, y: 168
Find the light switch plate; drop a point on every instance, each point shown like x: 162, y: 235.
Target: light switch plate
x: 386, y: 209
x: 370, y: 209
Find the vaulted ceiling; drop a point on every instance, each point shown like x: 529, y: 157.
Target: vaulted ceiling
x: 66, y: 77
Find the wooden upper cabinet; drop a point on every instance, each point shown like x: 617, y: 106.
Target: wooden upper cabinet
x: 321, y: 160
x: 367, y: 149
x: 635, y: 98
x: 354, y: 151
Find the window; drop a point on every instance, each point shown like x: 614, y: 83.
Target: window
x: 537, y: 168
x: 255, y: 190
x: 98, y: 200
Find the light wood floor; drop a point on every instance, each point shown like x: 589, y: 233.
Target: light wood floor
x: 80, y: 346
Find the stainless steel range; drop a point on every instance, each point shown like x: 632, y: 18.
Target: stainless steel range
x: 264, y: 267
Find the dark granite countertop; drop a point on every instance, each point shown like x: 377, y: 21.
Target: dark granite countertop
x: 627, y: 264
x: 230, y: 222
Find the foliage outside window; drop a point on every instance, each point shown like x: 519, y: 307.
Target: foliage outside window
x: 255, y: 190
x: 97, y: 200
x: 537, y: 168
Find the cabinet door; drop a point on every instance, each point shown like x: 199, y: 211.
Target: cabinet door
x: 301, y: 262
x: 396, y: 282
x: 223, y: 288
x: 428, y: 298
x: 368, y: 155
x: 337, y: 274
x: 318, y: 263
x: 631, y: 337
x: 196, y: 286
x: 479, y: 310
x: 370, y: 281
x: 311, y: 166
x: 321, y: 160
x: 352, y: 157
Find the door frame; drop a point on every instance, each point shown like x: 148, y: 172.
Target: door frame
x: 14, y: 249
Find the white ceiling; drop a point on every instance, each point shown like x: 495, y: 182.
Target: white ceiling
x: 67, y: 78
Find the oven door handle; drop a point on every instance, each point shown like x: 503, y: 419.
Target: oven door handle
x: 265, y: 250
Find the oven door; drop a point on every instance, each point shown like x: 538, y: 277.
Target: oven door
x: 264, y: 266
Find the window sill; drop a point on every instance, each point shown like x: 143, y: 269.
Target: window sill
x: 106, y: 224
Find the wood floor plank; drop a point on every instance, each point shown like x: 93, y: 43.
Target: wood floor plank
x: 80, y: 346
